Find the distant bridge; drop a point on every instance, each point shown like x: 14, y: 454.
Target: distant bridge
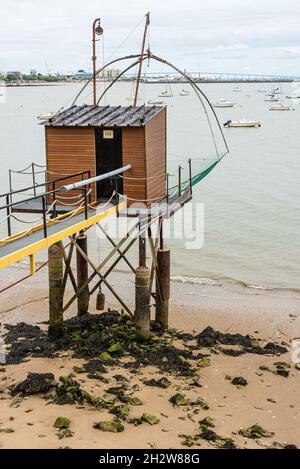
x: 159, y: 77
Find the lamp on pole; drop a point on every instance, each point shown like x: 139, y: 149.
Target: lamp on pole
x: 97, y: 31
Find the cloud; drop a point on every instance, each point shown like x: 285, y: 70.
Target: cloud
x: 216, y: 33
x: 288, y: 52
x: 225, y: 48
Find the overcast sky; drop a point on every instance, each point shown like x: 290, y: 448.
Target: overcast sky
x: 261, y: 36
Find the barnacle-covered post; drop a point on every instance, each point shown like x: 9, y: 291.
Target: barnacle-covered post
x: 82, y: 276
x: 142, y: 285
x: 162, y: 284
x: 56, y: 290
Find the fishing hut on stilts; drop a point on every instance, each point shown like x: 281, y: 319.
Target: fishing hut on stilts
x: 104, y: 161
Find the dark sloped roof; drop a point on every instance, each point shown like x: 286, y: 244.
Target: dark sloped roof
x: 105, y: 116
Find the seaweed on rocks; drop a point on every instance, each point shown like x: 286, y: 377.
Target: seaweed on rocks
x: 210, y: 337
x: 103, y: 339
x: 163, y: 383
x: 35, y: 383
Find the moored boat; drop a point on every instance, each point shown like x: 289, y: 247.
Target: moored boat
x: 223, y: 103
x: 280, y: 107
x: 242, y: 123
x: 46, y: 117
x: 156, y: 102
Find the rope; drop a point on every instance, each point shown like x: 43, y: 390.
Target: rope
x: 5, y: 241
x: 58, y: 174
x: 25, y: 232
x: 68, y: 196
x: 141, y: 178
x: 147, y: 200
x: 71, y: 204
x: 74, y: 212
x: 28, y: 174
x: 103, y: 205
x: 37, y: 219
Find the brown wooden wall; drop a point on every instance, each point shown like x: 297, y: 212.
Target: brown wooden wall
x: 133, y: 142
x: 156, y: 159
x: 70, y: 150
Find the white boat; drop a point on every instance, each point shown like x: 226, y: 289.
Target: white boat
x: 237, y: 88
x: 280, y: 107
x: 277, y: 90
x: 46, y: 117
x: 184, y: 93
x: 223, y: 103
x: 166, y: 93
x: 293, y: 96
x: 242, y: 123
x: 156, y: 102
x: 271, y: 99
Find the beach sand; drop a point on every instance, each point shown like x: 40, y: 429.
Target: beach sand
x: 269, y: 400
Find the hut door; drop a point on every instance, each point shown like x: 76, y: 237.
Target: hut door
x: 108, y: 158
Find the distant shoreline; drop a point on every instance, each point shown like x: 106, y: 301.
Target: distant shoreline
x: 158, y: 82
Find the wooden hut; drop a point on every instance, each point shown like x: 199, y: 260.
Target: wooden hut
x: 100, y: 139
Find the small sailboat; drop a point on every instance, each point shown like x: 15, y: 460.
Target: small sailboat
x: 167, y: 93
x: 184, y: 93
x: 245, y: 123
x: 280, y: 107
x: 156, y: 102
x: 277, y: 90
x: 271, y: 98
x: 46, y: 117
x: 223, y: 103
x: 293, y: 96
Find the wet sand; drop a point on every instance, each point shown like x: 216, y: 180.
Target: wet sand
x: 269, y: 400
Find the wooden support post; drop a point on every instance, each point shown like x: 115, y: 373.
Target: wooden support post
x: 142, y: 285
x: 82, y: 276
x: 142, y: 307
x: 163, y: 287
x: 56, y: 290
x: 142, y: 250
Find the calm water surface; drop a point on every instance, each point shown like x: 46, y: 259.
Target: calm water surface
x: 251, y: 199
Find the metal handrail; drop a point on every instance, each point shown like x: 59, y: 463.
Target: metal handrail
x: 44, y: 184
x: 84, y: 185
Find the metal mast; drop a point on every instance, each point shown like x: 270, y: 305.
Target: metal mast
x: 97, y: 31
x: 141, y: 62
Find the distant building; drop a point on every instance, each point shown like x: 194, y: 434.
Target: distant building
x: 110, y: 73
x: 82, y: 74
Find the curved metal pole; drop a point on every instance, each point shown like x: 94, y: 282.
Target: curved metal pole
x: 126, y: 57
x: 196, y: 88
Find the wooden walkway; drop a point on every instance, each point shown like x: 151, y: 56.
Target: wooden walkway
x: 24, y: 244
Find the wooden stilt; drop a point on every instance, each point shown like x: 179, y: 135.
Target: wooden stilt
x: 163, y: 287
x: 142, y: 285
x: 142, y: 307
x: 56, y: 290
x: 82, y: 276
